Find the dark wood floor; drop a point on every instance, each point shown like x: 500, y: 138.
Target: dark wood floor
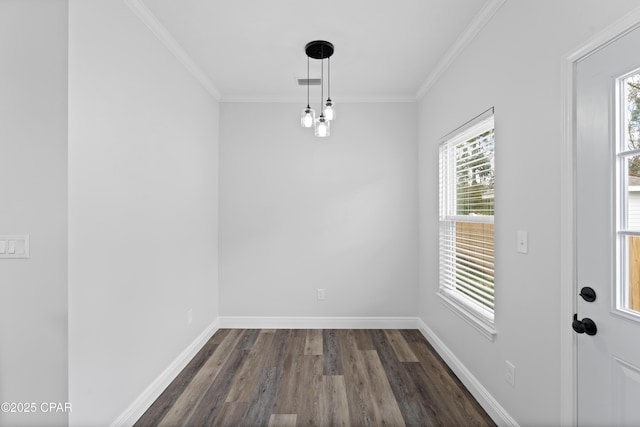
x: 285, y: 377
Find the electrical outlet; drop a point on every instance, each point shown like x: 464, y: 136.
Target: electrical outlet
x: 320, y: 294
x: 190, y: 316
x: 510, y: 374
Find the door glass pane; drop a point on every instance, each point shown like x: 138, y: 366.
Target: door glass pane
x: 629, y: 196
x: 631, y: 296
x: 631, y: 115
x: 631, y: 192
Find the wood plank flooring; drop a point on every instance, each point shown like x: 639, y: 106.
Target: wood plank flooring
x: 315, y: 377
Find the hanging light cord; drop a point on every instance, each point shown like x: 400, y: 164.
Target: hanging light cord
x: 308, y: 107
x: 329, y: 78
x: 321, y: 79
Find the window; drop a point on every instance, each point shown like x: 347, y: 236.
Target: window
x: 628, y: 196
x: 467, y: 182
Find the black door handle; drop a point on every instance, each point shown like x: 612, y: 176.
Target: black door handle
x: 588, y: 294
x: 584, y: 326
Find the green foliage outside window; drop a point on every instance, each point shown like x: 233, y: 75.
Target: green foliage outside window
x: 632, y: 90
x: 475, y: 175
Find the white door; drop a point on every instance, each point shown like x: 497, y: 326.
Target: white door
x: 608, y: 234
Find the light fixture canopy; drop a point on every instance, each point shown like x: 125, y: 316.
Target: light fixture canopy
x: 319, y: 49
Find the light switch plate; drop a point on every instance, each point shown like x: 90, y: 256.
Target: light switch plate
x: 523, y: 242
x: 14, y: 246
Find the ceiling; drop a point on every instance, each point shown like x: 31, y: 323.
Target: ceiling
x: 253, y: 50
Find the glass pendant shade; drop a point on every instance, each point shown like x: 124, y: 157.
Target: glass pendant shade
x: 322, y: 127
x: 308, y: 117
x: 329, y: 112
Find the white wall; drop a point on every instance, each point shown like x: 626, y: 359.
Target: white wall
x: 33, y: 185
x: 513, y: 65
x: 143, y: 209
x: 299, y: 213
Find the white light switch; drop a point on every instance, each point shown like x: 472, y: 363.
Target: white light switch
x: 14, y: 246
x: 523, y: 242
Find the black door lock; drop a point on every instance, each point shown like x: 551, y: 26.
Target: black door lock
x: 588, y: 294
x: 584, y: 326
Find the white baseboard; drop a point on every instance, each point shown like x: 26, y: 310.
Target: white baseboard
x: 318, y: 322
x: 151, y: 393
x: 481, y: 394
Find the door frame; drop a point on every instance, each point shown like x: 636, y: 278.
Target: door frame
x: 568, y: 233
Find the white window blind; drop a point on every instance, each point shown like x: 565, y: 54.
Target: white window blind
x: 467, y: 182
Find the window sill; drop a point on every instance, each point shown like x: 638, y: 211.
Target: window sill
x: 460, y: 307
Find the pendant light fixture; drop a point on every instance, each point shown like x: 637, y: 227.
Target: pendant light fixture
x: 322, y: 124
x: 308, y: 115
x: 319, y: 49
x: 329, y: 112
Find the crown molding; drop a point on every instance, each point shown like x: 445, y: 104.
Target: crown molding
x: 478, y: 23
x: 297, y: 100
x: 148, y: 18
x: 151, y: 22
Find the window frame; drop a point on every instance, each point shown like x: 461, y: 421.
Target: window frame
x: 474, y: 313
x: 623, y: 230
